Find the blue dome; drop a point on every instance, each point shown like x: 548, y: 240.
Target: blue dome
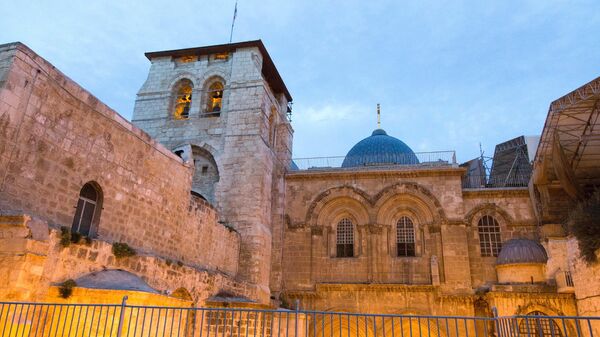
x: 380, y: 149
x: 293, y: 166
x: 521, y: 251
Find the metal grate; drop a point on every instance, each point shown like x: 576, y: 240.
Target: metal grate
x: 539, y: 326
x: 405, y: 237
x: 345, y: 238
x: 489, y: 236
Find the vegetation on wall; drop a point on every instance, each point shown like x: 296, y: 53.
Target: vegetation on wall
x: 66, y: 288
x: 121, y: 250
x: 584, y: 224
x: 67, y: 237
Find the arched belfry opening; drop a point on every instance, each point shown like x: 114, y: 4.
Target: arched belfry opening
x: 206, y: 173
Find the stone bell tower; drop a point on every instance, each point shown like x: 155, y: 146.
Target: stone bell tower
x: 224, y: 108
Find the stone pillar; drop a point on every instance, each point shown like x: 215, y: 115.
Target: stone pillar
x: 455, y: 252
x: 23, y: 253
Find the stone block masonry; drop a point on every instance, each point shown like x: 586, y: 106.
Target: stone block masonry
x: 55, y: 137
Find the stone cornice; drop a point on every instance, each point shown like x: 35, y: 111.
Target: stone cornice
x: 384, y: 172
x: 375, y: 287
x: 473, y: 193
x: 530, y: 295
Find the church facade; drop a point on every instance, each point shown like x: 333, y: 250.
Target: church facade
x: 201, y: 189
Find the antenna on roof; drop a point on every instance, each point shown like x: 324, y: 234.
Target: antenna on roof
x: 378, y: 116
x: 233, y: 21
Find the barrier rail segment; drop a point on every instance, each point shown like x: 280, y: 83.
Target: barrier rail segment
x: 107, y: 320
x: 418, y: 159
x: 486, y: 181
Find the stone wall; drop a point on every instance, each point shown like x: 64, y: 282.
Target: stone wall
x: 446, y: 237
x: 586, y: 278
x: 32, y: 259
x: 56, y: 136
x: 315, y: 201
x: 513, y: 210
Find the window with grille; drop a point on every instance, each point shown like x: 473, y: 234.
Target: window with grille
x: 345, y: 238
x: 539, y: 326
x: 489, y: 236
x: 87, y: 210
x: 405, y: 237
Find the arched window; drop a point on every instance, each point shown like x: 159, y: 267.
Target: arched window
x: 539, y: 326
x: 489, y: 236
x: 183, y: 99
x: 215, y: 97
x: 345, y: 238
x: 405, y: 237
x: 87, y: 213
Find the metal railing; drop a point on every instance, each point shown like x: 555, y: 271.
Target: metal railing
x: 418, y: 159
x: 79, y: 320
x: 486, y: 181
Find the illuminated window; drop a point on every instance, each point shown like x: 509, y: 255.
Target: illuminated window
x: 345, y: 238
x: 183, y: 100
x: 187, y: 59
x: 87, y: 212
x: 489, y: 236
x: 222, y: 56
x: 405, y: 237
x: 215, y: 97
x: 539, y: 326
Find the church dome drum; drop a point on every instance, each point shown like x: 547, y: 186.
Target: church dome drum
x: 521, y: 261
x: 380, y: 149
x: 521, y: 251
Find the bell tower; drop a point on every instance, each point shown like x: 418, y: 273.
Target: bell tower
x: 224, y: 108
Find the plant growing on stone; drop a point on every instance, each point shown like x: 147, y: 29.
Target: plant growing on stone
x: 65, y: 236
x: 75, y: 237
x: 66, y: 288
x: 121, y: 250
x: 584, y: 222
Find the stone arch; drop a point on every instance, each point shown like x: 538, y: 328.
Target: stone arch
x: 326, y: 196
x: 182, y: 97
x: 430, y: 206
x: 413, y: 201
x: 337, y: 324
x: 530, y: 308
x: 181, y: 76
x: 206, y: 173
x: 411, y: 325
x: 214, y: 72
x: 86, y: 220
x: 491, y: 208
x: 498, y: 214
x: 208, y: 81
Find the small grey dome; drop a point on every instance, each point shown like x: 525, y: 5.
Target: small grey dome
x: 521, y: 251
x: 114, y: 279
x: 380, y: 149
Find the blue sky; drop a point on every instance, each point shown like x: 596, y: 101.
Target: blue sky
x: 448, y: 74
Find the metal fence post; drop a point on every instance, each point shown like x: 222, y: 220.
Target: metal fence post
x: 496, y: 323
x: 297, y: 308
x: 122, y: 316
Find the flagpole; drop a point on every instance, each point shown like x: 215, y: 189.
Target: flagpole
x: 233, y: 21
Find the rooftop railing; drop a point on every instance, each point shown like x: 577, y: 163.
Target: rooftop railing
x: 418, y: 159
x: 486, y: 181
